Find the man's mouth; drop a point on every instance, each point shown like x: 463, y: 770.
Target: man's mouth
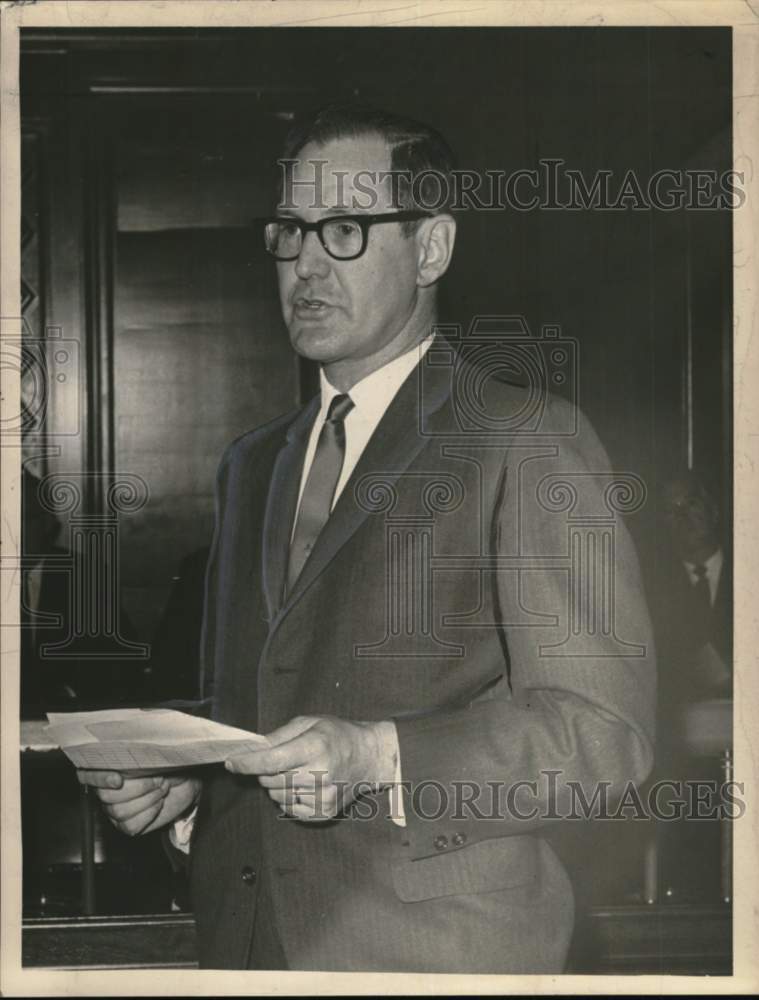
x: 311, y: 307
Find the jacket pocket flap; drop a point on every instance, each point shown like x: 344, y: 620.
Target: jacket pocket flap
x: 486, y: 866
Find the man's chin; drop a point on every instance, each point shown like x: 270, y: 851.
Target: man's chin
x: 315, y: 341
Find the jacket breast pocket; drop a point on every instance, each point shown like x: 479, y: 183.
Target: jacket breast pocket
x: 486, y: 866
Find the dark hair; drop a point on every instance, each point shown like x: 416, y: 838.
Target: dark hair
x: 415, y: 149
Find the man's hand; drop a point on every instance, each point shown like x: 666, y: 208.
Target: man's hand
x: 140, y: 805
x: 315, y: 766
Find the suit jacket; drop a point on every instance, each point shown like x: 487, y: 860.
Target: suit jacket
x: 695, y: 665
x: 682, y: 630
x: 437, y: 595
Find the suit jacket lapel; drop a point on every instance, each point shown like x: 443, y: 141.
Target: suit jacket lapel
x: 395, y: 443
x: 280, y: 506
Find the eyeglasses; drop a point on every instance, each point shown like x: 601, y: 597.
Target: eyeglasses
x: 344, y: 237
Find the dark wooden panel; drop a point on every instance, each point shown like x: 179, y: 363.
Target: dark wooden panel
x: 200, y: 356
x: 50, y: 293
x: 622, y: 940
x: 200, y: 351
x: 110, y: 942
x: 196, y: 276
x: 685, y: 940
x: 198, y: 166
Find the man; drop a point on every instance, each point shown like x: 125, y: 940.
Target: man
x: 694, y: 642
x: 331, y: 628
x: 697, y: 591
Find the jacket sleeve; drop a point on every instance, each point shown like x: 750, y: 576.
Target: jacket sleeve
x: 573, y: 715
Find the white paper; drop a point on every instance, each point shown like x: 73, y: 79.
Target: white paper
x: 135, y: 739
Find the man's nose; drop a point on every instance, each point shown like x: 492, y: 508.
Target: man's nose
x: 312, y: 259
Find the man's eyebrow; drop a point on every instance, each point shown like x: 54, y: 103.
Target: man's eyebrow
x: 329, y: 213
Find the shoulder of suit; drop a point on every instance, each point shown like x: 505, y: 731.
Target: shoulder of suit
x: 523, y: 409
x: 259, y: 436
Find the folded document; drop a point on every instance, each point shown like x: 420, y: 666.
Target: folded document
x: 154, y: 739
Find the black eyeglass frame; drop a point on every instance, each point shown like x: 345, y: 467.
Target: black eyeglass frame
x: 364, y: 223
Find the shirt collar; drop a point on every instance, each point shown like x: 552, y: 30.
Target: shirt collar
x: 713, y: 565
x: 374, y: 393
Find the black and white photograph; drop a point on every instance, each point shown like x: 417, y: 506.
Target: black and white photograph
x: 376, y: 543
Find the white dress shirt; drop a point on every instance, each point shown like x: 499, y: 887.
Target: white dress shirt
x: 713, y: 567
x: 371, y: 398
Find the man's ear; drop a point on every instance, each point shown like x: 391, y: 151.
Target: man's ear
x: 435, y: 239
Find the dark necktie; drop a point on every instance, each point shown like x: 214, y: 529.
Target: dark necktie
x: 318, y: 493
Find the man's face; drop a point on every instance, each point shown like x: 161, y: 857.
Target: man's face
x: 689, y: 516
x: 347, y: 310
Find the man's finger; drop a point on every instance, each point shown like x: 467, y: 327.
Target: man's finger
x: 308, y: 807
x: 281, y: 797
x: 175, y: 779
x: 299, y: 779
x: 252, y: 762
x: 291, y: 729
x: 132, y: 788
x: 100, y: 779
x: 272, y: 760
x: 288, y: 796
x: 121, y: 811
x: 296, y: 743
x: 140, y: 822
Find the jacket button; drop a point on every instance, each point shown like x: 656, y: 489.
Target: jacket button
x: 440, y: 842
x: 459, y: 839
x: 248, y: 875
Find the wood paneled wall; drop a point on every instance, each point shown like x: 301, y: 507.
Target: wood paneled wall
x: 200, y: 354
